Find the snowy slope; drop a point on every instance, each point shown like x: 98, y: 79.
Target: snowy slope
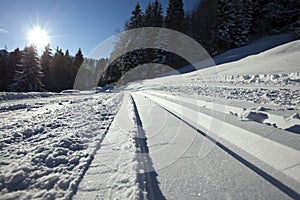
x: 255, y: 47
x: 281, y: 59
x: 271, y: 77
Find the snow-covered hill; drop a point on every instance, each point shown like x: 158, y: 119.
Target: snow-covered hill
x: 271, y: 77
x: 255, y: 47
x: 283, y: 59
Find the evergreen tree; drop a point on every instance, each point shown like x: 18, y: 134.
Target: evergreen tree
x: 70, y: 70
x: 291, y: 18
x: 240, y: 31
x: 148, y: 16
x: 28, y: 76
x: 136, y: 19
x: 78, y: 60
x: 57, y: 72
x: 234, y: 21
x: 225, y: 21
x: 3, y: 69
x: 153, y: 15
x: 273, y: 17
x: 260, y: 24
x: 175, y: 16
x: 131, y: 41
x: 14, y: 60
x: 46, y: 60
x: 203, y: 21
x: 157, y: 14
x: 67, y: 53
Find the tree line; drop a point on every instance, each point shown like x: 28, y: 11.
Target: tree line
x: 218, y: 25
x: 23, y: 71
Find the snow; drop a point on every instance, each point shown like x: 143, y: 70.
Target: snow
x: 229, y: 131
x: 118, y: 158
x: 45, y: 150
x: 255, y: 47
x: 251, y: 105
x: 4, y: 96
x: 277, y: 61
x: 267, y: 150
x: 187, y: 164
x: 259, y: 114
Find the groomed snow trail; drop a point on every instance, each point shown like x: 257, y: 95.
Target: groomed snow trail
x: 121, y: 168
x: 192, y: 164
x: 112, y: 173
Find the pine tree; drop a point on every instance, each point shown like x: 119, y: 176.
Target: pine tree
x: 28, y: 76
x: 292, y: 17
x: 67, y: 53
x: 3, y: 69
x: 157, y: 14
x: 57, y: 71
x: 46, y: 60
x: 225, y: 22
x: 175, y: 16
x: 274, y: 17
x: 240, y: 31
x: 260, y: 25
x: 148, y: 16
x: 136, y: 20
x: 203, y: 22
x: 14, y: 60
x: 153, y: 15
x: 70, y: 70
x: 131, y: 41
x: 234, y: 21
x: 78, y: 60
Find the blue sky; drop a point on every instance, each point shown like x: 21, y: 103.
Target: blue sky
x: 70, y: 23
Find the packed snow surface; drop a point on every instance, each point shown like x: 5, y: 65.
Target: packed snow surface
x: 174, y: 137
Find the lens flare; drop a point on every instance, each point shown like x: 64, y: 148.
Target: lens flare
x: 38, y: 37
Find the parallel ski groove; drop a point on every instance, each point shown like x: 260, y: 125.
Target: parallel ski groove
x: 274, y: 181
x: 146, y: 176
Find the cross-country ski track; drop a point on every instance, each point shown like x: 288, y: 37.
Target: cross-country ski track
x: 174, y: 148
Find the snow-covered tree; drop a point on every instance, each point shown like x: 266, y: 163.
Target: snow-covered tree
x: 240, y: 31
x: 28, y: 76
x: 273, y: 17
x: 234, y: 21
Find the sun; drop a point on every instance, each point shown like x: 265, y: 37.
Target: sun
x: 38, y: 37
